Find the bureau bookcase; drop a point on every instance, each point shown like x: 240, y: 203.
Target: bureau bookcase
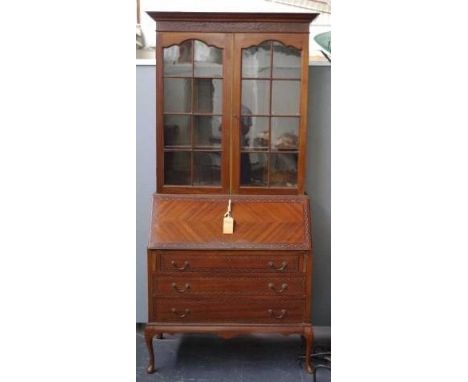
x: 231, y: 114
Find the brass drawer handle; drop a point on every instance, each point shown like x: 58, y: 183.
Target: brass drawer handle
x: 283, y: 313
x: 283, y: 266
x: 183, y: 268
x: 181, y: 290
x: 181, y: 315
x: 283, y: 287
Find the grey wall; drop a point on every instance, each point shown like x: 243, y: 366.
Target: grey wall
x: 318, y: 188
x: 317, y: 183
x: 145, y: 175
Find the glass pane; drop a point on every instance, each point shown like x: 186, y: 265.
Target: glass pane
x: 207, y: 131
x: 283, y: 170
x: 208, y: 60
x: 286, y: 61
x: 208, y: 96
x: 206, y: 168
x: 177, y: 130
x: 177, y: 168
x: 285, y: 97
x: 256, y: 61
x: 178, y: 60
x: 254, y: 169
x: 254, y: 132
x: 255, y: 97
x: 177, y: 95
x: 284, y: 133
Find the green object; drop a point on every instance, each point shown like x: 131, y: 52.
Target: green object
x: 324, y: 40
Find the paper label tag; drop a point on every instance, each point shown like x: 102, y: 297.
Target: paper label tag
x: 228, y: 225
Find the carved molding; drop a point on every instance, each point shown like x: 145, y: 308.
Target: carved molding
x: 244, y: 198
x: 273, y: 41
x: 192, y: 39
x: 225, y: 245
x: 233, y: 27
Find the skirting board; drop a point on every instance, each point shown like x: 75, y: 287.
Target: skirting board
x: 322, y: 334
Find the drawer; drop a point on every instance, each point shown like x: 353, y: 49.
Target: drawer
x: 230, y: 262
x: 229, y: 309
x: 187, y: 285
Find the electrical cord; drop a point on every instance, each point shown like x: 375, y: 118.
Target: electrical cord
x: 320, y: 360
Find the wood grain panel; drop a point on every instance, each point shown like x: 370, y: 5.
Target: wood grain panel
x: 229, y: 309
x: 188, y: 286
x: 260, y: 222
x: 184, y: 263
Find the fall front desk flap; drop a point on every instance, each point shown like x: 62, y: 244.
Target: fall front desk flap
x: 260, y: 222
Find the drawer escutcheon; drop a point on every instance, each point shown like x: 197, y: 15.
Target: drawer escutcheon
x: 284, y: 287
x: 181, y: 315
x: 181, y: 290
x: 182, y: 268
x: 283, y: 266
x: 278, y: 317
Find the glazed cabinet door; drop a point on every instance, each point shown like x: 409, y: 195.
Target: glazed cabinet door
x: 193, y: 112
x: 269, y: 113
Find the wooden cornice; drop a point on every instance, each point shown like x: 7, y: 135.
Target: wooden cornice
x: 232, y: 17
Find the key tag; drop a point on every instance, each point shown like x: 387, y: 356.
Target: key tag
x: 228, y: 221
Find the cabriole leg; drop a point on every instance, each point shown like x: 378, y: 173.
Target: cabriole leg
x: 309, y: 337
x: 149, y: 334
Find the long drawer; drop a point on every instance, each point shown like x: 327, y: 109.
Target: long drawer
x: 268, y: 285
x: 229, y: 309
x: 178, y: 262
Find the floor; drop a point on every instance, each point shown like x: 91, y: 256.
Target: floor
x: 208, y: 358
